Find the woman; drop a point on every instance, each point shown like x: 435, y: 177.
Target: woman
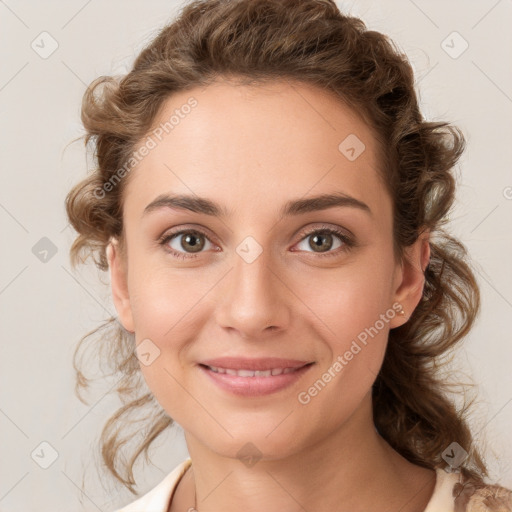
x: 248, y: 135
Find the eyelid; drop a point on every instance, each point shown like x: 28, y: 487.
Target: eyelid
x: 183, y: 229
x: 339, y: 231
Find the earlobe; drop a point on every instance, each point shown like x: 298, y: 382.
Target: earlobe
x: 119, y: 285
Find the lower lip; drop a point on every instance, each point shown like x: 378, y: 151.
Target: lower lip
x: 255, y: 386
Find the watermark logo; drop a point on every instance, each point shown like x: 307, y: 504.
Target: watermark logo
x: 146, y: 352
x: 44, y: 45
x: 454, y: 455
x: 249, y: 249
x: 249, y: 454
x: 44, y: 455
x: 351, y: 147
x: 454, y: 45
x: 44, y: 250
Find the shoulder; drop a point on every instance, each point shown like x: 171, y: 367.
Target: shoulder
x: 481, y: 497
x: 159, y: 497
x: 454, y: 493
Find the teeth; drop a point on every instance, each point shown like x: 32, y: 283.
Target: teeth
x: 252, y: 373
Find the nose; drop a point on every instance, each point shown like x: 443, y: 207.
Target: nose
x: 254, y: 298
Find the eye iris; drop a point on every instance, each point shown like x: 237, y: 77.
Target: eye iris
x: 194, y: 241
x: 315, y: 244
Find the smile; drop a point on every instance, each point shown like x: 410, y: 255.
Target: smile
x: 253, y: 383
x: 252, y: 373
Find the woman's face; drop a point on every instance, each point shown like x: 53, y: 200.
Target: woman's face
x: 255, y: 277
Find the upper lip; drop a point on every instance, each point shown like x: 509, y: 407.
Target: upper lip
x: 264, y: 363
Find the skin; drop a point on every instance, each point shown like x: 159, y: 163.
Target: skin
x: 251, y: 149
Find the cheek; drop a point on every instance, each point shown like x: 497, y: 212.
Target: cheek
x: 167, y: 308
x: 349, y: 299
x: 352, y: 310
x: 354, y: 330
x: 162, y: 329
x: 162, y: 298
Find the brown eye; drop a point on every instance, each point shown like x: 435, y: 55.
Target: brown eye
x: 323, y: 241
x: 185, y: 242
x: 191, y: 242
x: 320, y: 241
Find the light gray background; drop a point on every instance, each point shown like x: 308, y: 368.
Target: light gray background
x: 46, y: 308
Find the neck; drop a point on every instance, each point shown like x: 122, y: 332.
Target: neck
x: 351, y: 469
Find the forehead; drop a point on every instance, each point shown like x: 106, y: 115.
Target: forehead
x: 254, y: 146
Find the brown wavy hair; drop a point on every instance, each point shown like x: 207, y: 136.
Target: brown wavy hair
x: 308, y: 41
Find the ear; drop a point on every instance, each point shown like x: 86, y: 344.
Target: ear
x: 410, y: 278
x: 119, y: 284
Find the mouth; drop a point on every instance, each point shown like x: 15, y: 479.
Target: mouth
x: 255, y: 382
x: 252, y: 373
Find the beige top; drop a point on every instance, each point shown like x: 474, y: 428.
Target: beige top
x: 443, y: 499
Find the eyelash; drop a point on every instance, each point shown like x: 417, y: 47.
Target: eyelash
x: 348, y: 242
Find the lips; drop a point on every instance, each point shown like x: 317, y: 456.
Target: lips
x: 260, y: 364
x: 252, y: 373
x: 254, y: 377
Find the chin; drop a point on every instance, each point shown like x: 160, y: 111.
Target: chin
x: 259, y: 441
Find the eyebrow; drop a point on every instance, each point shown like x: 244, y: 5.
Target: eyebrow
x: 293, y: 207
